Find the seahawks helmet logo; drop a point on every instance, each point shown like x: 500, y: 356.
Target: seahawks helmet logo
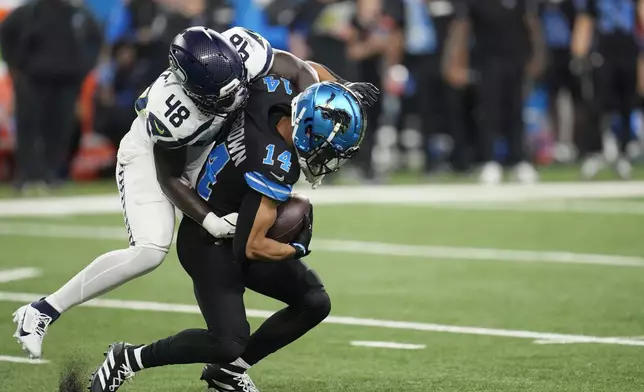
x: 177, y: 70
x: 337, y: 116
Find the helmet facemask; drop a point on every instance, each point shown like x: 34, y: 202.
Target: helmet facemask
x: 213, y: 105
x: 323, y: 158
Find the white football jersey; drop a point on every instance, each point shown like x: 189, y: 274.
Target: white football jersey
x: 168, y: 117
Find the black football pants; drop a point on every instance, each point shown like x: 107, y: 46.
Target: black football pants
x: 615, y: 92
x: 45, y: 114
x: 430, y: 101
x: 560, y: 77
x: 219, y: 285
x: 501, y: 107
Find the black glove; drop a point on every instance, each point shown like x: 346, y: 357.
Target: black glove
x: 301, y: 243
x: 367, y: 93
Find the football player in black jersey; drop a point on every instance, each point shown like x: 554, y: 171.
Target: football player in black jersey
x: 250, y: 171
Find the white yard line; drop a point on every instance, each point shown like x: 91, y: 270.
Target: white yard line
x: 10, y: 275
x: 568, y: 341
x: 354, y: 321
x: 357, y: 247
x: 430, y: 194
x: 555, y: 206
x: 7, y: 358
x: 391, y: 345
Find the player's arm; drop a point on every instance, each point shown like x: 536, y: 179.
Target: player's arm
x: 170, y: 164
x: 366, y: 92
x: 291, y: 67
x: 326, y: 74
x: 582, y: 35
x: 456, y: 60
x: 256, y: 216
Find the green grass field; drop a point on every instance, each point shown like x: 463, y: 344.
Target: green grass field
x: 509, y: 303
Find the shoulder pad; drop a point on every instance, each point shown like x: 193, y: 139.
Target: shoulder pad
x: 255, y: 51
x: 172, y: 118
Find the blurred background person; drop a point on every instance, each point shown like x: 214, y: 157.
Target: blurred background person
x: 423, y: 27
x: 320, y: 32
x: 49, y: 46
x: 508, y: 39
x: 119, y: 82
x: 612, y: 25
x: 562, y: 85
x: 369, y: 39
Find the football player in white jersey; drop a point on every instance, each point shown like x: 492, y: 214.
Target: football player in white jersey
x: 179, y: 116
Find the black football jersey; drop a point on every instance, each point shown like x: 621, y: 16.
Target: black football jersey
x: 499, y: 26
x: 252, y: 156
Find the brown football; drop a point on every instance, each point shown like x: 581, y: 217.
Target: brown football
x: 290, y: 219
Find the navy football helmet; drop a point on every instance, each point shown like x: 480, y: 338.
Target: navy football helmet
x: 210, y: 70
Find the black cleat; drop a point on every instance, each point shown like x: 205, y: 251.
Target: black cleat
x: 114, y: 370
x: 228, y: 378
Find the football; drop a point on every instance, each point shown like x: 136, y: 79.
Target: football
x: 290, y: 219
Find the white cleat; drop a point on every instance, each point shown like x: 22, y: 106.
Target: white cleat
x: 491, y: 174
x: 592, y: 166
x: 623, y: 168
x: 31, y: 328
x: 525, y: 173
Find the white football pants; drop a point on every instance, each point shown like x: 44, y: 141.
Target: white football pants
x: 149, y: 219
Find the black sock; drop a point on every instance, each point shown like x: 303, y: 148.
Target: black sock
x: 46, y: 308
x: 191, y: 346
x: 134, y: 358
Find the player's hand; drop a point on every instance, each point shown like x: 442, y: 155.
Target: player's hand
x: 223, y: 227
x: 302, y: 242
x: 367, y: 93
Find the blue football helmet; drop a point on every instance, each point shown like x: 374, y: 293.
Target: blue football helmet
x: 329, y: 124
x: 210, y: 70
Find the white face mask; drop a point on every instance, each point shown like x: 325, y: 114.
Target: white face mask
x: 295, y: 122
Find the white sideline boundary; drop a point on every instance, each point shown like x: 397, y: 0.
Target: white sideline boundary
x: 338, y: 320
x: 355, y: 247
x: 430, y: 194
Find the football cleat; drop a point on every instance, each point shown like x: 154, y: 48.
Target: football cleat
x: 114, y: 370
x: 31, y: 329
x: 228, y: 378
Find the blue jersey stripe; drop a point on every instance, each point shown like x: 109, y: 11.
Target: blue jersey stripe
x: 268, y: 188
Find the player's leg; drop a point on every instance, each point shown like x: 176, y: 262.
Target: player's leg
x: 600, y: 104
x: 149, y: 218
x: 219, y: 288
x: 490, y: 98
x: 58, y: 122
x: 513, y: 125
x: 293, y: 283
x: 626, y: 89
x: 28, y: 111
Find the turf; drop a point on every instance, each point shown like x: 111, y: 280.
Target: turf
x: 593, y: 300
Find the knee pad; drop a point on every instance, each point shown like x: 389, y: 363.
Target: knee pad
x: 317, y: 305
x: 146, y: 258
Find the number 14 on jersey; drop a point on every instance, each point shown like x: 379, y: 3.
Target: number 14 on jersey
x: 284, y: 158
